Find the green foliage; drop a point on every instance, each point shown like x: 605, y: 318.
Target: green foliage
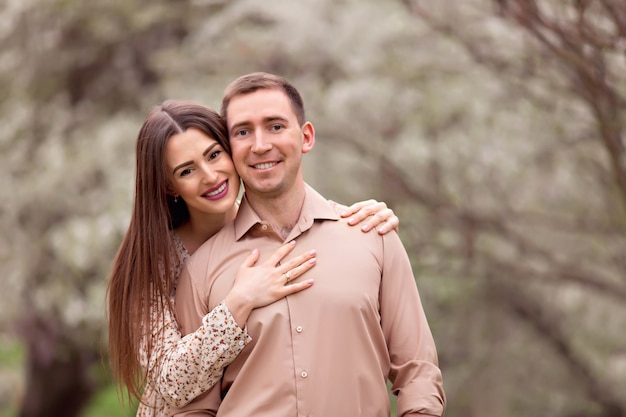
x: 11, y: 353
x: 9, y: 412
x: 106, y: 403
x: 11, y: 365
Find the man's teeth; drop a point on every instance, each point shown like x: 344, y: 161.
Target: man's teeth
x: 216, y: 192
x: 265, y: 165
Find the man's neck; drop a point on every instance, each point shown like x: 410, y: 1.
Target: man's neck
x: 282, y: 212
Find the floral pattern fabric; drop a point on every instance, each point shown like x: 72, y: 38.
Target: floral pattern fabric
x: 181, y: 368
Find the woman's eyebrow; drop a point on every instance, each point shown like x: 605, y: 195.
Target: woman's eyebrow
x: 207, y: 150
x: 179, y: 166
x: 184, y: 164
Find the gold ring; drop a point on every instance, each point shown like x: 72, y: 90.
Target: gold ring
x: 287, y: 277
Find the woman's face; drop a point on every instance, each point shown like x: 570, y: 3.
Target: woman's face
x: 201, y: 173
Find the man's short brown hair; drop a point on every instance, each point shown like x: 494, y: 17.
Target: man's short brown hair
x: 255, y: 81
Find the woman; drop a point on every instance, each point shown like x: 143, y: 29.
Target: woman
x: 186, y: 190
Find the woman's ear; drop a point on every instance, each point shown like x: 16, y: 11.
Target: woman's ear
x: 170, y: 191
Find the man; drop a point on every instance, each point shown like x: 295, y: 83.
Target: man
x: 327, y: 351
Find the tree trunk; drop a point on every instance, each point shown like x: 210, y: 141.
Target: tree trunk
x: 57, y: 371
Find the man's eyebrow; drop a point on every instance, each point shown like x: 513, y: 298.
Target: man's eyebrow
x: 238, y: 125
x: 267, y: 119
x: 274, y: 118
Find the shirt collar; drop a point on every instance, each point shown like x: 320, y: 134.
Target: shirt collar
x: 315, y: 207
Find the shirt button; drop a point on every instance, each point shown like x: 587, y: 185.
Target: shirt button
x: 241, y: 343
x: 264, y: 227
x: 299, y: 329
x: 304, y: 374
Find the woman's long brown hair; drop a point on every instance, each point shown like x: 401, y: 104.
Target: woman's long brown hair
x: 142, y: 269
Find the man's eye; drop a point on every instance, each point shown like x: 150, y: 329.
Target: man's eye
x: 242, y: 132
x: 276, y: 127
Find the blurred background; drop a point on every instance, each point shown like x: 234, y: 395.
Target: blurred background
x: 495, y: 129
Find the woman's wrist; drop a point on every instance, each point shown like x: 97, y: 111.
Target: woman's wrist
x: 239, y: 308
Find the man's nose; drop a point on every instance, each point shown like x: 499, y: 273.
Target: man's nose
x: 261, y: 142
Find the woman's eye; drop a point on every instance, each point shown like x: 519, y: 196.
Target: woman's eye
x: 214, y: 154
x: 185, y: 172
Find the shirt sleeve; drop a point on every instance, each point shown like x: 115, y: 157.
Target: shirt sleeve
x: 181, y: 368
x: 415, y: 374
x: 190, y: 309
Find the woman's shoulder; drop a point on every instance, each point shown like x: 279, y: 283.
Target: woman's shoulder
x: 179, y: 246
x: 180, y: 254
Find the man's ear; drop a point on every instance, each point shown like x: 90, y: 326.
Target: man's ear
x: 308, y: 137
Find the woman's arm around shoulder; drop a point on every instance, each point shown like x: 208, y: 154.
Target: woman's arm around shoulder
x: 370, y: 215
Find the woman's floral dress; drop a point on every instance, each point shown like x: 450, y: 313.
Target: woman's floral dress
x: 181, y: 368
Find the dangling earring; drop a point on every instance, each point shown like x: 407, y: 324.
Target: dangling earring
x: 176, y: 198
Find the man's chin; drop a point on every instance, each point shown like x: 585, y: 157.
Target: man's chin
x: 262, y: 189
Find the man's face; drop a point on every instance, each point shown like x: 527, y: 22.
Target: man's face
x: 267, y: 142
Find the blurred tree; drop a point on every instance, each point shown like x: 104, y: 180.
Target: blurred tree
x: 495, y: 130
x: 546, y: 247
x: 70, y: 71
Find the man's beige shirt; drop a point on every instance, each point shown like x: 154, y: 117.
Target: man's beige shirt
x: 328, y: 350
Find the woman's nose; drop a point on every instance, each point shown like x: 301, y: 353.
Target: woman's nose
x: 209, y: 175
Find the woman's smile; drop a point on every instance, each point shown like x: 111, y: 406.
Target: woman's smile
x: 217, y: 192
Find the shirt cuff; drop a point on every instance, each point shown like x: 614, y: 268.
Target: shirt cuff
x: 222, y: 322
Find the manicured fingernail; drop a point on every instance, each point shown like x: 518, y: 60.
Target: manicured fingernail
x: 312, y: 252
x: 365, y: 227
x: 312, y: 260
